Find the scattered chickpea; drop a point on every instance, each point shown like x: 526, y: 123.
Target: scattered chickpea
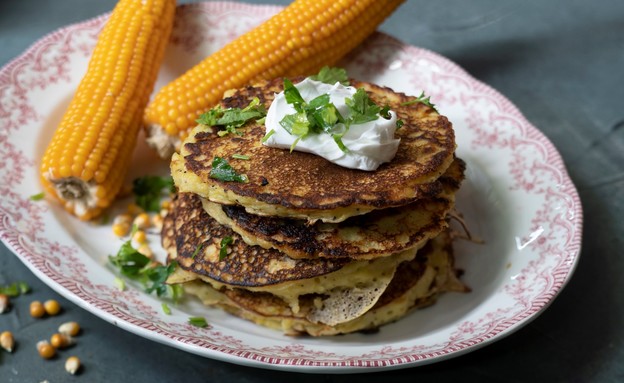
x: 36, y: 309
x: 45, y: 349
x: 52, y: 307
x: 5, y: 302
x: 60, y: 340
x: 72, y: 364
x: 6, y: 341
x: 69, y: 328
x: 142, y: 221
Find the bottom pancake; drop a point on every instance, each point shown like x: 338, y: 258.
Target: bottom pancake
x: 416, y: 283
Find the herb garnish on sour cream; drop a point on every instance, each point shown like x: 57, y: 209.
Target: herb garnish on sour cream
x: 337, y: 122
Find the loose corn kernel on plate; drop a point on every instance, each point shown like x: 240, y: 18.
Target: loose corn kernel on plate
x: 517, y: 197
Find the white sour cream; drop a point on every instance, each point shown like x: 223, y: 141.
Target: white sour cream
x: 368, y: 145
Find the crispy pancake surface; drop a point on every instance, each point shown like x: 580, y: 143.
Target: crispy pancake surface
x: 380, y: 233
x: 197, y: 240
x: 305, y: 186
x: 416, y: 283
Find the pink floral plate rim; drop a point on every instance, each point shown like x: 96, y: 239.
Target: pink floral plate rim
x: 514, y: 162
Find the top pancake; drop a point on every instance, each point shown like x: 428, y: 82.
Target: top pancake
x: 306, y: 186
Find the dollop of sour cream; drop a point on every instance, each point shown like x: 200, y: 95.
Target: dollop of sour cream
x: 368, y: 145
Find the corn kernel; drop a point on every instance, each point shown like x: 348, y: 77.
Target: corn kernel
x: 157, y: 221
x: 60, y: 340
x: 5, y: 302
x: 123, y: 218
x: 6, y: 341
x: 51, y: 307
x: 121, y: 229
x: 166, y: 204
x: 45, y: 349
x: 69, y: 328
x: 72, y: 365
x: 139, y: 236
x: 142, y: 221
x: 36, y: 309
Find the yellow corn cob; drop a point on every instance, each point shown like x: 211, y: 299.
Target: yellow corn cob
x: 299, y: 40
x: 86, y: 161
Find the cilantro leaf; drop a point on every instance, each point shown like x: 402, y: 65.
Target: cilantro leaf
x: 330, y: 75
x: 225, y: 241
x: 198, y: 322
x: 149, y: 189
x: 292, y: 95
x: 223, y: 171
x: 138, y: 267
x: 362, y: 108
x: 232, y: 118
x: 157, y: 276
x: 15, y: 289
x: 421, y: 100
x: 37, y: 197
x: 129, y: 261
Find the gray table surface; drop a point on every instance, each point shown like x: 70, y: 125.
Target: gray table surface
x: 562, y: 64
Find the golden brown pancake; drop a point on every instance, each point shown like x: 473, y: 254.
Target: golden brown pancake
x: 416, y: 283
x: 379, y: 233
x: 305, y: 186
x: 197, y: 239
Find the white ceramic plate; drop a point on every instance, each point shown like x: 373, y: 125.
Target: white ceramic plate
x: 517, y: 197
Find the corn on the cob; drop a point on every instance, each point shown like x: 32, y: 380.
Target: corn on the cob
x: 299, y: 40
x: 86, y: 161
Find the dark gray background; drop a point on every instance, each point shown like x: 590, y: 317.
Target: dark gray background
x: 561, y: 62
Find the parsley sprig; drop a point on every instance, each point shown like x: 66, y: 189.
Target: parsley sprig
x: 15, y: 289
x: 223, y: 171
x: 231, y: 119
x: 148, y: 191
x: 320, y: 115
x: 138, y: 267
x: 422, y: 99
x: 332, y: 75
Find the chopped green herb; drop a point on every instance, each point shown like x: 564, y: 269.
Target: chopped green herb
x: 317, y: 116
x: 400, y: 123
x: 137, y: 266
x: 198, y: 322
x: 240, y: 156
x: 120, y: 284
x: 331, y: 76
x: 223, y: 171
x: 269, y: 134
x: 225, y: 241
x: 197, y: 249
x: 231, y: 119
x: 24, y: 288
x: 338, y: 140
x: 421, y: 100
x: 157, y: 276
x: 149, y: 190
x: 15, y: 289
x: 362, y: 108
x: 165, y: 308
x: 37, y: 197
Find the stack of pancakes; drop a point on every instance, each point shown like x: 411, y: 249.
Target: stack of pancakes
x: 307, y: 246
